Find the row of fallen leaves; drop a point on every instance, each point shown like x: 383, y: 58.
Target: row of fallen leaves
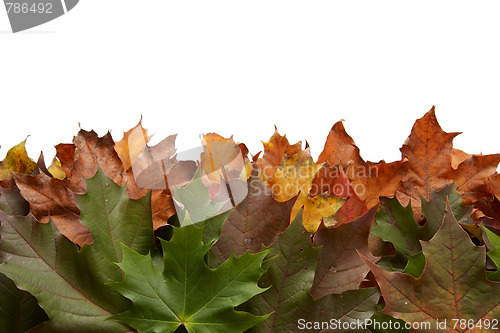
x: 430, y: 169
x: 429, y: 162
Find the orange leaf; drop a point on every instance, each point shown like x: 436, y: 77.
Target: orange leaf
x: 274, y: 151
x: 471, y: 175
x: 340, y: 149
x: 380, y: 180
x: 429, y: 153
x: 132, y: 144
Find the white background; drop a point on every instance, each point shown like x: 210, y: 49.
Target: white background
x: 239, y: 67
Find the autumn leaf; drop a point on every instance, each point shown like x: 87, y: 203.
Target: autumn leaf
x: 457, y: 157
x: 453, y: 284
x: 495, y: 184
x: 294, y: 174
x: 340, y: 149
x: 429, y: 153
x: 487, y: 212
x: 151, y: 167
x: 163, y: 301
x: 132, y: 144
x: 65, y: 154
x: 17, y: 160
x: 292, y: 264
x: 274, y: 151
x: 55, y: 169
x: 378, y: 180
x: 471, y: 175
x: 339, y: 267
x: 223, y: 159
x: 353, y: 208
x: 331, y: 180
x: 321, y: 208
x: 369, y: 180
x: 50, y: 199
x: 256, y: 221
x: 162, y: 207
x: 91, y: 150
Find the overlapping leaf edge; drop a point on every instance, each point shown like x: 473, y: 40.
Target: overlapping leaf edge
x: 480, y: 193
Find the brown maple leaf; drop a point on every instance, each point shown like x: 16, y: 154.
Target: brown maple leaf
x: 340, y: 149
x: 368, y: 180
x: 339, y: 267
x: 471, y: 175
x: 255, y: 222
x: 91, y: 150
x: 50, y: 199
x: 434, y: 164
x: 379, y: 180
x: 429, y: 153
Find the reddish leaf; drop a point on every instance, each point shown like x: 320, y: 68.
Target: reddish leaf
x: 353, y: 208
x: 340, y: 149
x: 65, y: 153
x: 339, y: 267
x: 331, y: 180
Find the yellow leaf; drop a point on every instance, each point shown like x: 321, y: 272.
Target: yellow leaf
x: 319, y: 208
x: 55, y: 170
x: 17, y: 160
x: 294, y: 174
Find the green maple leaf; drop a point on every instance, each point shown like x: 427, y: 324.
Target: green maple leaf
x: 70, y: 284
x: 188, y: 292
x: 433, y: 210
x: 494, y: 254
x: 19, y: 310
x: 290, y: 275
x: 195, y: 201
x: 396, y: 225
x: 453, y: 284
